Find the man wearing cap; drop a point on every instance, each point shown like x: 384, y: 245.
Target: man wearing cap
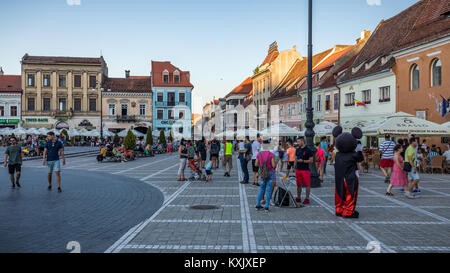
x: 387, y: 157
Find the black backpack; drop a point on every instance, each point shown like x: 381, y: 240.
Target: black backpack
x: 279, y: 200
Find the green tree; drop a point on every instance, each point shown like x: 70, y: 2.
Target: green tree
x: 149, y: 138
x: 116, y: 139
x: 64, y: 131
x: 130, y: 140
x: 170, y: 137
x: 162, y: 137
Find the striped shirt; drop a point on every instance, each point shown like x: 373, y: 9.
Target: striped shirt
x: 387, y: 149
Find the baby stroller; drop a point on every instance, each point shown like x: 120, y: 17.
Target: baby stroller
x: 197, y: 174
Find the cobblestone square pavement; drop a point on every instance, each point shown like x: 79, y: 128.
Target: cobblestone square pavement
x: 396, y: 223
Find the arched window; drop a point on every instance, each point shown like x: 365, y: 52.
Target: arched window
x: 415, y: 77
x: 436, y: 73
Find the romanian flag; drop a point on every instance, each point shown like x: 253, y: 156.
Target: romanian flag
x: 360, y: 103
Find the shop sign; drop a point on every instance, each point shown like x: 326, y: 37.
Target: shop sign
x: 14, y: 121
x: 36, y: 119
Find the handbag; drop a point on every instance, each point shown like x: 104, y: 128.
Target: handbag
x: 407, y: 167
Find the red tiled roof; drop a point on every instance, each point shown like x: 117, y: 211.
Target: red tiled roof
x: 243, y: 89
x: 385, y: 39
x: 139, y: 77
x: 157, y: 75
x: 127, y: 85
x: 339, y: 52
x: 57, y: 59
x: 247, y: 101
x: 433, y: 22
x: 270, y: 58
x: 10, y: 83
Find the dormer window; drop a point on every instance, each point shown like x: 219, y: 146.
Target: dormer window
x: 166, y: 76
x: 176, y: 76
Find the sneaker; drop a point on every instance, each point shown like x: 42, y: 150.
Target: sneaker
x: 409, y: 195
x: 272, y: 203
x: 258, y: 208
x: 263, y: 202
x: 266, y: 209
x: 13, y: 186
x: 298, y: 200
x: 416, y: 191
x: 225, y: 174
x: 18, y: 184
x: 306, y: 202
x: 59, y: 190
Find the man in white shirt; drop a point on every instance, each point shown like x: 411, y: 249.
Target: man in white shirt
x: 447, y: 154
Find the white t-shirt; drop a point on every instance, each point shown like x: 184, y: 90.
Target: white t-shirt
x: 447, y: 155
x: 256, y: 146
x: 424, y: 147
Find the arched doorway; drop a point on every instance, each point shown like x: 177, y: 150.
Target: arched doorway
x: 141, y: 129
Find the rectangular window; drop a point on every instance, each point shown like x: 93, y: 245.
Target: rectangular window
x: 13, y: 112
x: 124, y: 109
x: 77, y: 81
x: 62, y: 104
x: 142, y: 109
x: 182, y: 97
x: 327, y: 103
x: 112, y: 109
x: 62, y: 80
x: 281, y: 110
x: 170, y: 114
x: 77, y: 105
x: 160, y: 114
x: 293, y: 110
x: 46, y: 82
x: 177, y: 79
x: 30, y: 80
x: 160, y: 97
x: 305, y: 105
x: 385, y: 94
x: 366, y: 96
x: 318, y: 103
x: 2, y: 111
x: 93, y: 82
x: 92, y: 105
x: 336, y: 101
x: 299, y: 108
x: 30, y: 104
x: 288, y: 110
x: 350, y: 99
x: 46, y: 104
x: 166, y: 78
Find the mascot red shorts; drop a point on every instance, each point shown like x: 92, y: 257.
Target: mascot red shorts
x: 346, y: 206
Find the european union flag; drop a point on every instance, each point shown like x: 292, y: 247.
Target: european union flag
x: 445, y: 105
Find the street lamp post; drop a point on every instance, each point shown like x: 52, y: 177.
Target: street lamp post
x: 315, y: 181
x: 101, y: 114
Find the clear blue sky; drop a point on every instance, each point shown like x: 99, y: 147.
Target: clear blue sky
x: 219, y: 41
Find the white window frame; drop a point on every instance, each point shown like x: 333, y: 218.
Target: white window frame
x: 366, y: 95
x: 411, y: 73
x: 336, y: 102
x: 350, y: 98
x: 123, y: 106
x: 184, y: 114
x: 385, y: 93
x: 157, y: 96
x: 433, y: 63
x: 318, y: 102
x: 421, y: 114
x: 112, y: 110
x: 142, y: 108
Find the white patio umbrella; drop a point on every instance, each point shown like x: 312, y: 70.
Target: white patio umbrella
x: 447, y: 124
x: 93, y: 133
x: 6, y: 131
x: 33, y: 131
x: 279, y: 130
x: 403, y: 124
x: 242, y: 133
x: 107, y: 133
x: 350, y: 124
x: 19, y: 131
x: 324, y: 128
x: 124, y: 133
x: 43, y: 131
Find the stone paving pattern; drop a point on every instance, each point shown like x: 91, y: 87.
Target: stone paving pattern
x: 399, y: 224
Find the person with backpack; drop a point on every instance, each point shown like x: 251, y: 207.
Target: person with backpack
x: 214, y: 154
x: 265, y: 161
x: 201, y: 149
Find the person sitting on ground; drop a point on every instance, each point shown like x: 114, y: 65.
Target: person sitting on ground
x: 122, y: 152
x: 148, y: 150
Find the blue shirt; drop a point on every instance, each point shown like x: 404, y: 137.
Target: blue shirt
x: 53, y: 149
x: 208, y: 166
x: 324, y: 147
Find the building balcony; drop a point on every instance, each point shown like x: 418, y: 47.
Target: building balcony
x: 132, y: 118
x: 169, y: 103
x: 62, y: 113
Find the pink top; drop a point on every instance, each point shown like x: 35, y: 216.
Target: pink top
x: 266, y: 156
x: 320, y: 153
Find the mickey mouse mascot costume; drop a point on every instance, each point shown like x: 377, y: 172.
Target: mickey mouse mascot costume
x: 346, y: 176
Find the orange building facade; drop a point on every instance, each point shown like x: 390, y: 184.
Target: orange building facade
x: 423, y: 78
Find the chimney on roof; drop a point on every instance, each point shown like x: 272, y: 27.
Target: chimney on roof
x: 1, y: 71
x: 127, y: 74
x: 294, y: 48
x: 273, y: 47
x: 365, y: 34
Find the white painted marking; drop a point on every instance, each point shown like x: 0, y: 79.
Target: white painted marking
x: 161, y: 171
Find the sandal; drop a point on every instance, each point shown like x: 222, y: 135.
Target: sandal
x: 389, y: 194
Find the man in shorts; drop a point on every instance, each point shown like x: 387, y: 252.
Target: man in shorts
x: 387, y: 157
x: 228, y: 158
x: 13, y: 159
x: 256, y: 147
x: 53, y: 148
x: 413, y: 175
x: 304, y: 156
x: 291, y: 158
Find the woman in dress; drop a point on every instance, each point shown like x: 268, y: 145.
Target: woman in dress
x: 398, y: 178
